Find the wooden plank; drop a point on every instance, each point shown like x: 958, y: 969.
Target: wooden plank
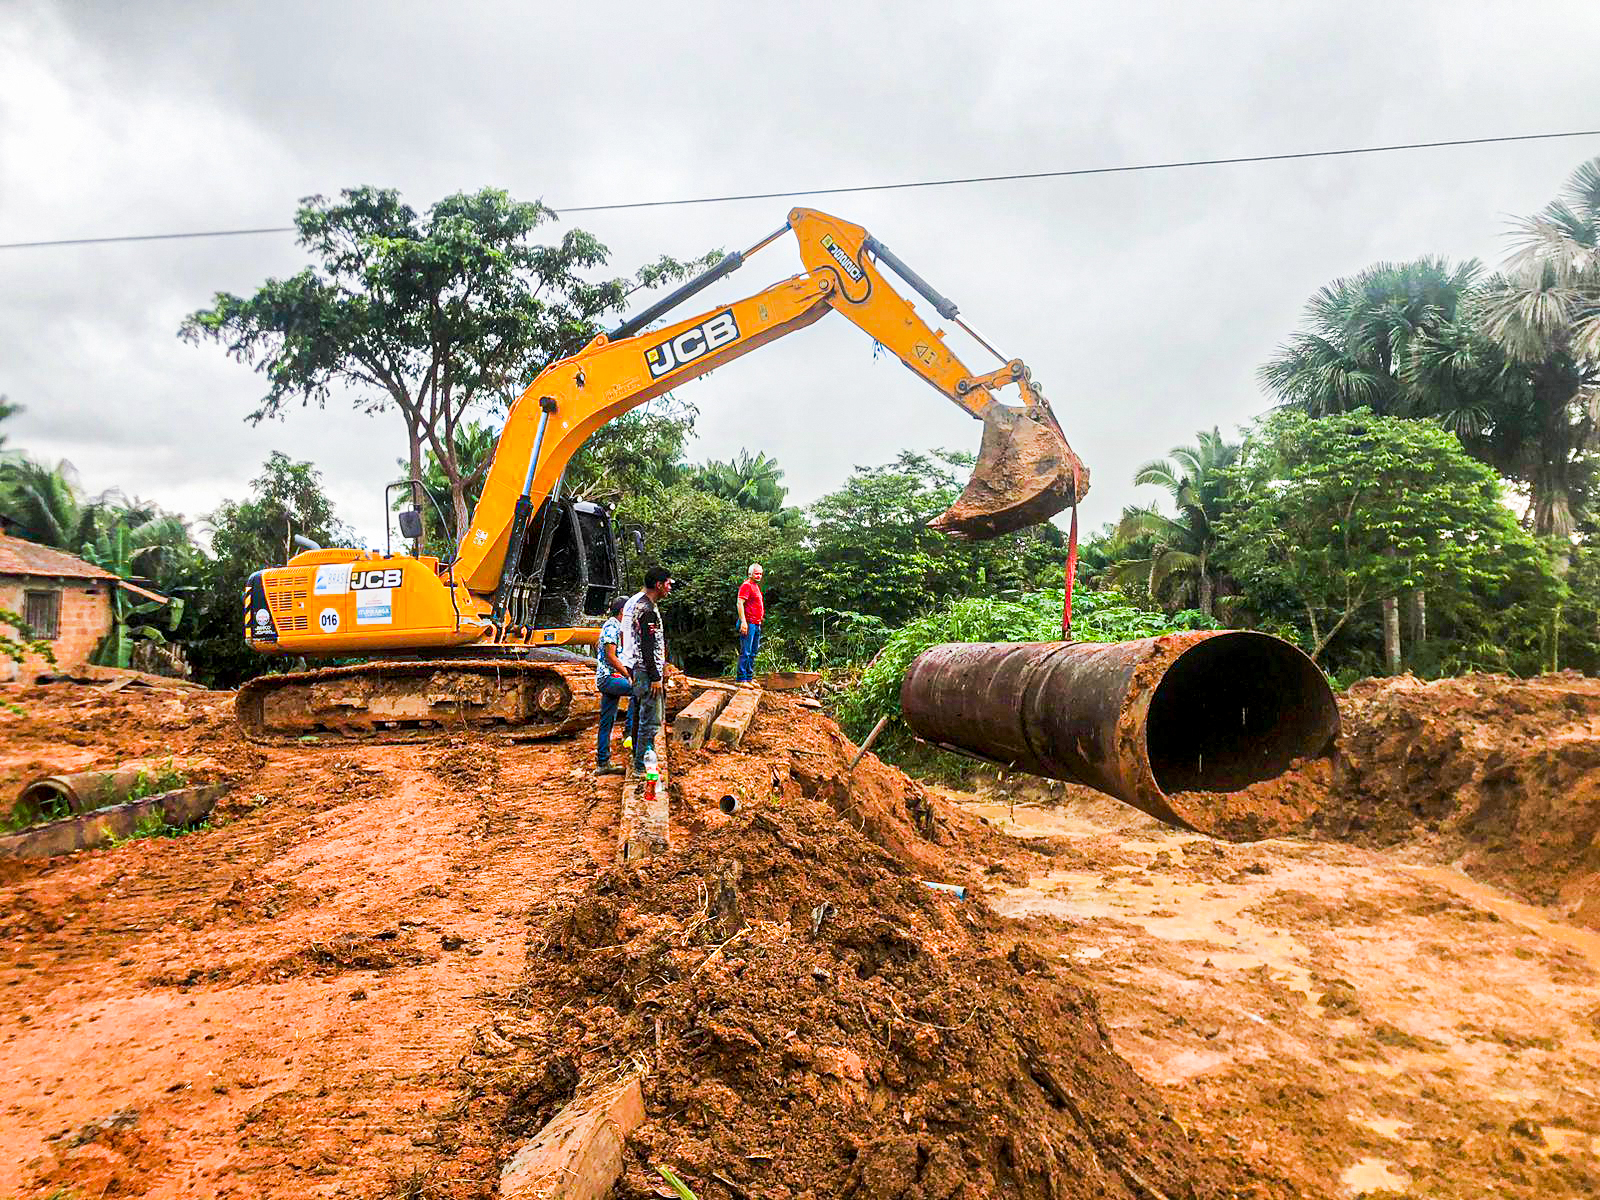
x: 578, y: 1154
x: 691, y: 726
x: 643, y: 830
x: 86, y: 830
x: 730, y: 727
x: 788, y: 681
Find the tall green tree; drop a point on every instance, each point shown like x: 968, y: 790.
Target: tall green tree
x: 1360, y: 333
x: 1342, y: 511
x: 435, y: 315
x: 873, y: 553
x: 750, y: 481
x: 246, y: 536
x: 1544, y: 313
x: 1182, y: 567
x: 1358, y: 349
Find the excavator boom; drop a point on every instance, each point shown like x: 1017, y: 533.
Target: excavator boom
x: 1025, y: 473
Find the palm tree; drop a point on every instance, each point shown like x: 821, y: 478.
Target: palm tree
x: 1544, y: 314
x: 45, y: 504
x: 1182, y: 562
x: 750, y: 482
x: 1361, y: 334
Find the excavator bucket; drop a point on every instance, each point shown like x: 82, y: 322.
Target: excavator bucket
x: 1026, y: 473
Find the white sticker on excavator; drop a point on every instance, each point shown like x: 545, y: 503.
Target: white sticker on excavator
x: 375, y: 606
x: 328, y: 620
x: 333, y: 580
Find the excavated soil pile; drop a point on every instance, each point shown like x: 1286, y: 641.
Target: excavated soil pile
x: 812, y: 1020
x: 1503, y: 773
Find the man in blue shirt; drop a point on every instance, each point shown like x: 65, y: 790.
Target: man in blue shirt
x: 613, y: 681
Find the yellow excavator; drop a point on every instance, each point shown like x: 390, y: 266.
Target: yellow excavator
x: 487, y: 638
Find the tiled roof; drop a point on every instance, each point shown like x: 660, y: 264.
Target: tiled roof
x: 19, y: 557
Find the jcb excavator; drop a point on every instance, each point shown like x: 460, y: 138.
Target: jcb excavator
x: 483, y: 640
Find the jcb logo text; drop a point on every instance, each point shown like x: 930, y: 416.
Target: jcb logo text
x: 692, y: 344
x: 362, y: 580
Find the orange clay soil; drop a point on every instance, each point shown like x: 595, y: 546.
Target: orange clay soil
x: 384, y: 965
x: 275, y: 1005
x: 1502, y: 774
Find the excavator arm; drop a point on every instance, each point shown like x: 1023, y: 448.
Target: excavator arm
x: 1025, y: 473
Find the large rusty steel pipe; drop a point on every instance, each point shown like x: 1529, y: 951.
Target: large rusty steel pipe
x: 1170, y: 725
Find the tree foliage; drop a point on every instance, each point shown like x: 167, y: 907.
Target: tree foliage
x: 1182, y: 563
x: 434, y: 314
x: 872, y: 551
x: 1342, y: 510
x: 247, y: 535
x: 750, y: 481
x: 1361, y: 334
x: 1543, y: 313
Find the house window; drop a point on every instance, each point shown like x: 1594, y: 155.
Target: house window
x: 42, y: 612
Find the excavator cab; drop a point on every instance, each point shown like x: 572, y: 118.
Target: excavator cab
x: 568, y: 570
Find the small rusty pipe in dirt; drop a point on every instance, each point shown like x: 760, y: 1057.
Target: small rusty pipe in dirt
x: 60, y: 795
x: 1170, y: 725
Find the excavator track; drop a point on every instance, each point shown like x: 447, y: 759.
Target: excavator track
x: 543, y: 695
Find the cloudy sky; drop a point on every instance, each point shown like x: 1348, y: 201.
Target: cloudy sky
x: 1143, y: 302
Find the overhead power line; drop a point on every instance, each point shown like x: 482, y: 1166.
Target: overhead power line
x: 880, y: 187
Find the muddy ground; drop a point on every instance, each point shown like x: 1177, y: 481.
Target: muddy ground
x: 383, y: 965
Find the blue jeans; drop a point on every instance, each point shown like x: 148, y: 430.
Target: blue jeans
x: 643, y: 718
x: 749, y: 647
x: 611, y: 692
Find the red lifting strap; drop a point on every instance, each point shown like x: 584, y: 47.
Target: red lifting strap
x: 1072, y: 561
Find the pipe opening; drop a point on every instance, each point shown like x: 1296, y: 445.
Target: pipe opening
x: 1237, y: 709
x: 729, y: 804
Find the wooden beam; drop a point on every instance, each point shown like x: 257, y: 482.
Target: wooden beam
x: 578, y: 1154
x: 690, y: 727
x: 788, y: 681
x: 644, y: 828
x: 139, y: 591
x: 730, y: 727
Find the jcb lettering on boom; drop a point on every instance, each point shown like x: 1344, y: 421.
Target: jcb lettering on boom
x: 692, y: 343
x: 362, y: 580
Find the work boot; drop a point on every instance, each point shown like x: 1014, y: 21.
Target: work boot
x: 608, y: 769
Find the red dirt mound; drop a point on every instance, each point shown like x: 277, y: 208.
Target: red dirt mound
x: 1503, y: 773
x: 814, y: 1021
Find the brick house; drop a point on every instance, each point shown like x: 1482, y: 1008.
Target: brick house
x: 66, y: 600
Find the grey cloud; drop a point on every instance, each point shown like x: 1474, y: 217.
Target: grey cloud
x: 1143, y: 302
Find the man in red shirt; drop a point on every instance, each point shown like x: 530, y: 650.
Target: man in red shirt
x: 752, y: 608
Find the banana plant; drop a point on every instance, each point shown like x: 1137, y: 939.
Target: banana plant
x: 116, y: 550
